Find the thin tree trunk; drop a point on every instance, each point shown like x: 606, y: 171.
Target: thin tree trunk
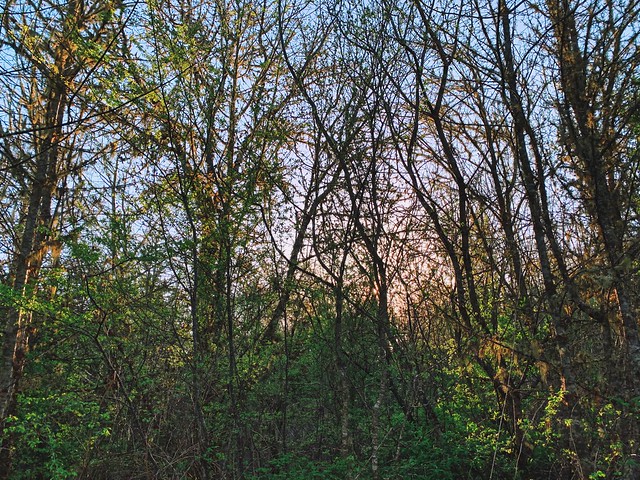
x: 341, y: 369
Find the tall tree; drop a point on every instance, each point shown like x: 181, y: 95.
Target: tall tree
x: 50, y: 54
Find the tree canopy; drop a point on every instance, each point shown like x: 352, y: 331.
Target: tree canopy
x: 301, y: 239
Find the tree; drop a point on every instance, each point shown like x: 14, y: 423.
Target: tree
x: 218, y: 97
x: 54, y: 51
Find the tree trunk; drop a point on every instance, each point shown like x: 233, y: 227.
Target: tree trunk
x: 26, y: 265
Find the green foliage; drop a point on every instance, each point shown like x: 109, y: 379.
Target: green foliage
x: 54, y: 434
x: 296, y: 467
